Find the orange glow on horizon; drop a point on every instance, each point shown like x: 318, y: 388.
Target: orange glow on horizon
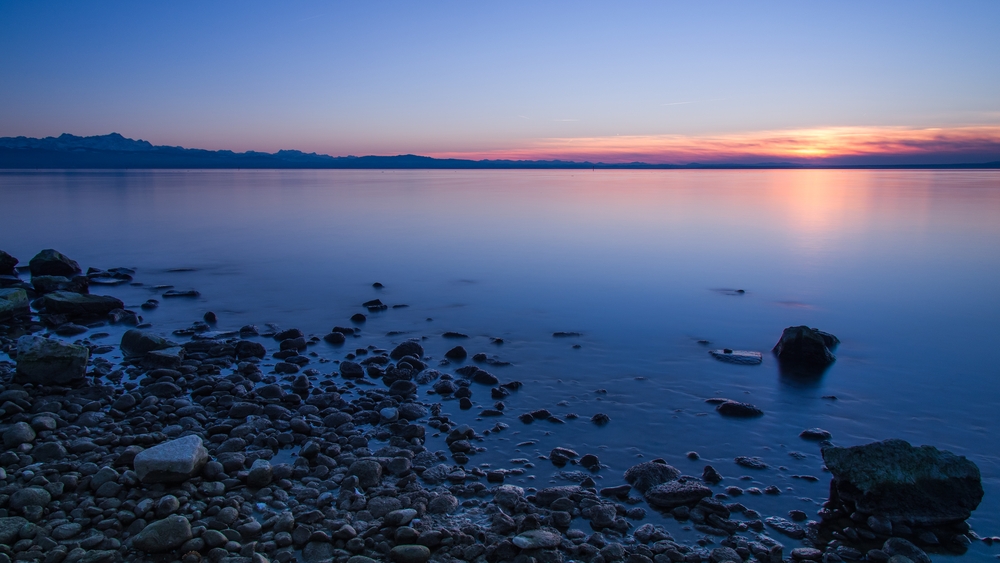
x: 796, y: 145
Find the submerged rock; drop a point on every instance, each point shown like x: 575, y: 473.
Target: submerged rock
x: 50, y: 362
x: 676, y: 493
x: 801, y: 345
x: 171, y: 462
x: 744, y: 357
x: 137, y: 342
x: 921, y: 486
x: 739, y: 410
x: 649, y: 474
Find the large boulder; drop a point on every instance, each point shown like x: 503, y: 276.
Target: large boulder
x: 649, y: 474
x: 164, y: 535
x: 80, y: 305
x: 49, y: 362
x: 53, y: 263
x: 171, y: 462
x: 13, y: 302
x: 7, y: 264
x: 801, y: 345
x: 137, y: 342
x: 408, y: 348
x: 916, y: 486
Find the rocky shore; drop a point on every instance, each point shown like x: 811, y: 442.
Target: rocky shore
x: 247, y: 447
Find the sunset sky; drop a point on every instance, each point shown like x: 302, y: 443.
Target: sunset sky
x: 664, y: 82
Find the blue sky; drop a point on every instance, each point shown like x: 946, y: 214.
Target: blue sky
x: 461, y: 78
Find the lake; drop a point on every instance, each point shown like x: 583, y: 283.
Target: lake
x: 902, y: 266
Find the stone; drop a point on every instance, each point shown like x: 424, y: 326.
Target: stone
x: 725, y: 555
x: 816, y: 434
x: 649, y: 474
x: 750, y: 462
x: 410, y: 554
x: 13, y: 302
x: 806, y: 554
x: 49, y: 362
x: 51, y: 262
x: 10, y: 528
x: 7, y: 264
x: 921, y: 486
x: 168, y: 358
x: 137, y: 342
x: 408, y: 348
x: 79, y: 304
x: 400, y: 517
x: 805, y: 346
x: 786, y: 527
x: 901, y: 547
x: 30, y: 496
x: 351, y: 370
x: 537, y: 539
x: 318, y: 552
x: 676, y: 493
x: 171, y: 462
x: 17, y: 434
x: 737, y: 409
x: 368, y: 472
x: 163, y: 535
x: 260, y: 474
x: 442, y: 504
x: 456, y: 353
x: 743, y: 357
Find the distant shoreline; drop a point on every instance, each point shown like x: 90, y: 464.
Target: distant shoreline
x: 115, y: 152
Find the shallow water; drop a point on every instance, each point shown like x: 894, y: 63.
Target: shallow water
x: 901, y: 265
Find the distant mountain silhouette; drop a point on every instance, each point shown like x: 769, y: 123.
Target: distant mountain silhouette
x: 117, y: 152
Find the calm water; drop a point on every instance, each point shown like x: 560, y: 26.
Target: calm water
x: 901, y: 265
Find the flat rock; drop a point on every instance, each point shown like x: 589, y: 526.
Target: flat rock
x: 901, y: 547
x: 79, y: 304
x: 171, y: 462
x: 737, y: 409
x: 537, y: 539
x: 743, y: 357
x: 408, y: 348
x: 10, y: 528
x: 750, y: 462
x: 50, y: 362
x: 163, y: 535
x: 921, y: 486
x: 676, y: 493
x: 787, y: 527
x: 410, y: 554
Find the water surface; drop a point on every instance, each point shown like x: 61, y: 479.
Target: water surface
x: 901, y: 265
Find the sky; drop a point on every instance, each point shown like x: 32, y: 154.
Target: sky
x: 665, y: 82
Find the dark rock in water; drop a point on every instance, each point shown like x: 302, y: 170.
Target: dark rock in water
x: 710, y: 475
x: 358, y: 318
x: 403, y: 388
x: 182, y: 293
x: 7, y: 264
x: 377, y: 285
x: 484, y: 377
x: 344, y: 330
x: 210, y: 317
x: 374, y: 305
x: 750, y: 462
x: 739, y: 410
x: 743, y: 357
x: 80, y: 305
x: 801, y: 345
x: 456, y: 353
x: 561, y: 456
x: 600, y: 419
x: 53, y: 263
x: 903, y: 548
x: 288, y: 334
x: 70, y: 329
x: 920, y: 486
x: 649, y: 474
x: 562, y: 334
x: 50, y: 362
x: 249, y: 349
x: 335, y: 338
x: 815, y: 434
x: 351, y: 370
x: 786, y: 527
x: 590, y: 461
x: 150, y: 304
x: 137, y: 342
x: 408, y: 348
x: 676, y: 493
x: 451, y: 334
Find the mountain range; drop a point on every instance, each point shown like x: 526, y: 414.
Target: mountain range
x: 117, y: 152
